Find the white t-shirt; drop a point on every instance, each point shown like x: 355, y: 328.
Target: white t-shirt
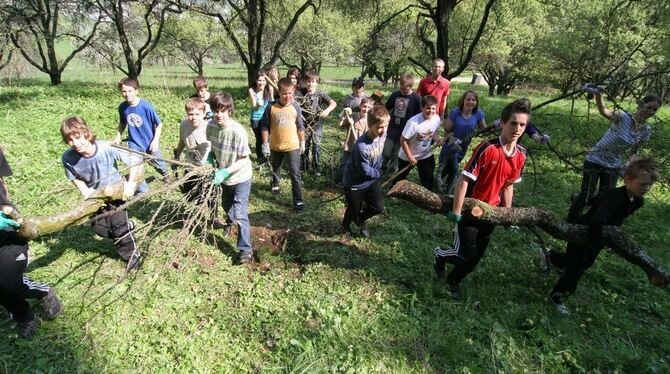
x: 419, y: 132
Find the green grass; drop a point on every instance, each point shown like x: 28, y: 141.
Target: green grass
x: 323, y: 304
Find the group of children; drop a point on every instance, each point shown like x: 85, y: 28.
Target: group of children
x: 287, y: 121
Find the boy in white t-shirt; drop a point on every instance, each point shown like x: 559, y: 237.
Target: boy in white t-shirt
x: 416, y: 143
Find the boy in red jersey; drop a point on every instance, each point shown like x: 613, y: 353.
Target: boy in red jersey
x: 489, y: 176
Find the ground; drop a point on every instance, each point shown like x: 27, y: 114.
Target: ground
x: 314, y: 301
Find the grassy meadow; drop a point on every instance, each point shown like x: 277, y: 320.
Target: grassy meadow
x: 319, y: 303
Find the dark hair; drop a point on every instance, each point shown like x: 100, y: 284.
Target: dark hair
x: 311, y: 74
x: 285, y: 83
x: 516, y: 106
x: 461, y: 101
x: 358, y: 83
x: 378, y: 114
x: 649, y: 98
x: 640, y: 166
x: 428, y: 100
x: 295, y: 72
x: 222, y: 101
x: 75, y: 125
x: 266, y: 89
x: 200, y: 82
x: 129, y: 82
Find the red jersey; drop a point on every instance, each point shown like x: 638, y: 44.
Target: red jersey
x: 491, y: 169
x: 438, y: 88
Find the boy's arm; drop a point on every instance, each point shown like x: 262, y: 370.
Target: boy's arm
x: 603, y: 110
x: 83, y: 188
x: 331, y: 106
x: 254, y: 104
x: 506, y: 196
x: 408, y: 152
x: 153, y: 147
x: 459, y: 194
x: 119, y: 132
x: 178, y: 150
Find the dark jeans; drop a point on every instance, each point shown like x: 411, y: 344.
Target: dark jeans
x: 346, y: 155
x: 594, y: 176
x: 115, y: 227
x: 235, y: 204
x: 470, y: 241
x: 276, y: 160
x: 426, y: 169
x: 576, y: 260
x: 390, y: 156
x: 255, y: 126
x: 374, y: 204
x: 312, y: 142
x: 15, y: 287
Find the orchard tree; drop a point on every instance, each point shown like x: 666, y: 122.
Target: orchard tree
x: 194, y: 38
x: 6, y: 51
x: 36, y: 27
x: 138, y: 25
x: 246, y: 23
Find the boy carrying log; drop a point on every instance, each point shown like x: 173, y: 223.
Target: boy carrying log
x: 489, y: 176
x: 609, y: 208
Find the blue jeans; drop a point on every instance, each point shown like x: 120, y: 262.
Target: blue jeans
x: 159, y: 165
x: 313, y: 142
x: 235, y: 204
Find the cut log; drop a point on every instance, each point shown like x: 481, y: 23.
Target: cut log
x: 613, y: 237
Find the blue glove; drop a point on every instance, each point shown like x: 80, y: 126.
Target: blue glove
x: 211, y: 160
x: 453, y: 217
x: 6, y: 222
x: 221, y: 175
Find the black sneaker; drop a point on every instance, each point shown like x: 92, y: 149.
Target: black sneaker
x: 275, y: 190
x: 26, y: 330
x: 246, y: 257
x: 51, y: 305
x: 299, y: 206
x: 364, y: 230
x: 557, y: 300
x: 134, y: 262
x: 454, y: 290
x: 346, y: 231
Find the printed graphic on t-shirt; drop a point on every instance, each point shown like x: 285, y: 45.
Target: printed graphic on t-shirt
x: 424, y: 141
x: 134, y: 120
x: 285, y: 119
x: 400, y: 111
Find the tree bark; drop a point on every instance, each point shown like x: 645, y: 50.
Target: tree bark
x: 613, y: 237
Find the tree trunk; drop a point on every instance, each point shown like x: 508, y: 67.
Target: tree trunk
x: 613, y: 237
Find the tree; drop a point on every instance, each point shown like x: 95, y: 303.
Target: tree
x: 194, y: 38
x: 6, y: 52
x: 36, y: 27
x: 137, y: 37
x: 250, y: 19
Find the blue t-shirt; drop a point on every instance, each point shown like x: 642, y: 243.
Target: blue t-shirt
x: 257, y: 114
x: 141, y: 121
x: 464, y: 126
x: 97, y: 171
x: 364, y: 167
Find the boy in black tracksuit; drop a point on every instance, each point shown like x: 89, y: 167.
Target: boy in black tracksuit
x: 609, y: 209
x: 15, y: 287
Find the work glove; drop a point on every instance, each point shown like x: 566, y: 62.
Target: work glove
x: 6, y: 222
x: 211, y: 160
x: 302, y: 147
x: 265, y: 149
x: 591, y: 88
x: 544, y: 139
x: 129, y: 190
x: 220, y: 175
x: 209, y: 115
x: 453, y: 217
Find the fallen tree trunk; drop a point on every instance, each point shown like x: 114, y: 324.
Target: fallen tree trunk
x: 613, y: 237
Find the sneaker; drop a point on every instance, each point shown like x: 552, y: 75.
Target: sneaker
x: 246, y: 257
x: 131, y: 224
x: 26, y: 330
x: 346, y: 231
x: 51, y: 305
x: 454, y: 290
x: 317, y: 174
x: 275, y: 190
x: 364, y: 230
x: 440, y: 263
x: 299, y: 206
x: 134, y: 262
x: 562, y: 309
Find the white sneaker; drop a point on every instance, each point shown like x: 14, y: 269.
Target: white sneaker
x: 561, y: 308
